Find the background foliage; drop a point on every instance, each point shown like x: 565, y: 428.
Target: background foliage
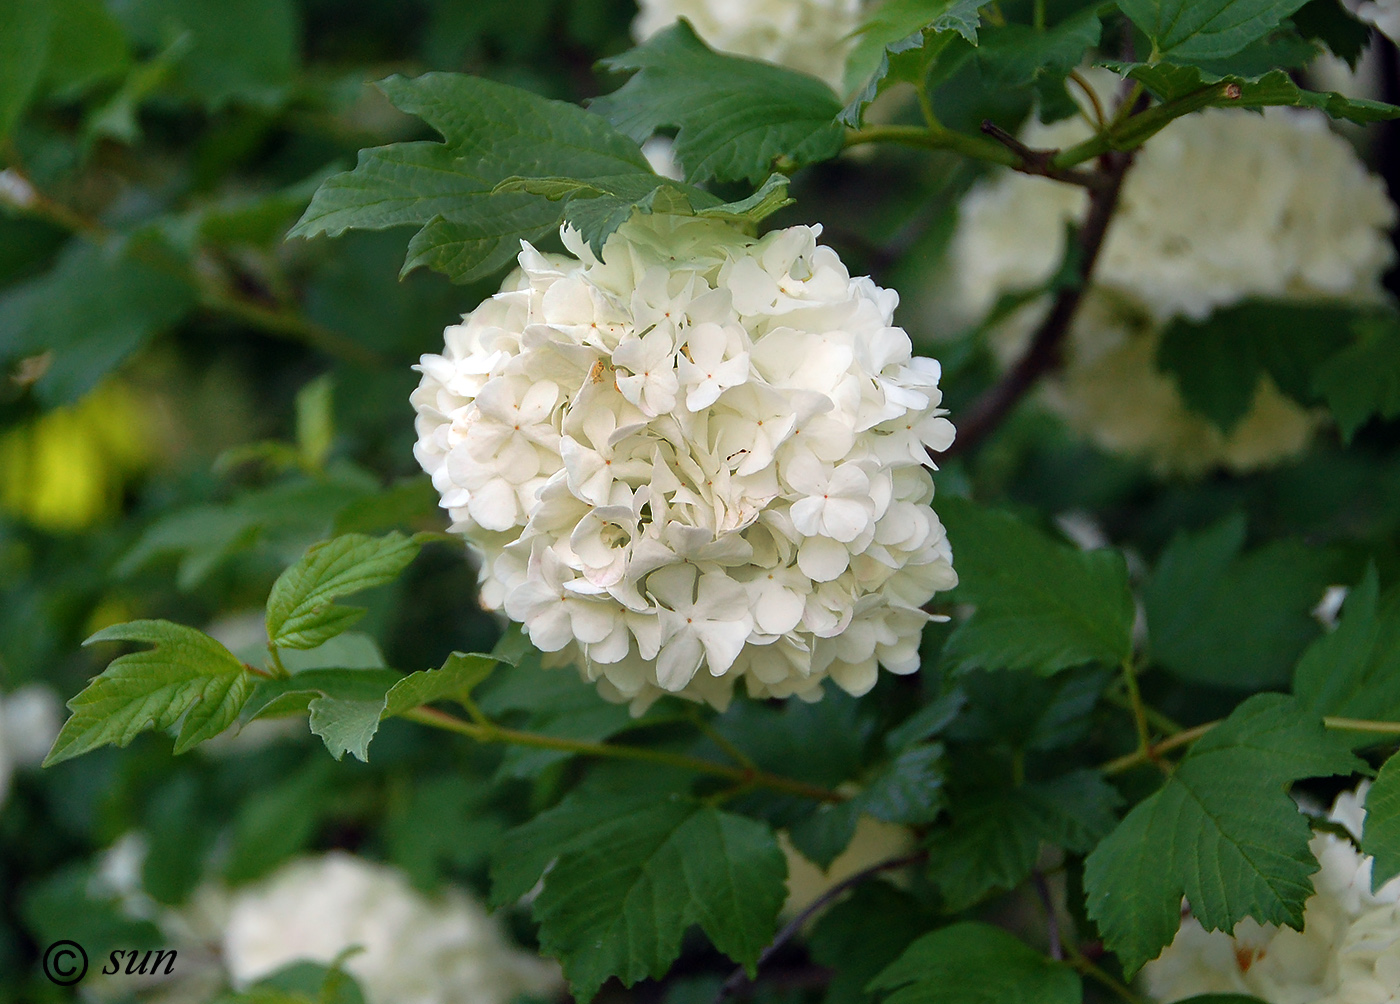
x: 191, y: 402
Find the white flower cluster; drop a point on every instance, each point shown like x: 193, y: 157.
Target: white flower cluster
x: 813, y: 36
x: 1348, y: 951
x: 29, y: 722
x: 415, y: 950
x: 701, y: 458
x: 1220, y: 207
x: 1384, y: 15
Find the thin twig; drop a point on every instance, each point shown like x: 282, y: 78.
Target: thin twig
x: 1042, y: 162
x: 738, y: 980
x: 491, y: 733
x: 987, y: 412
x: 1155, y: 751
x: 1052, y: 917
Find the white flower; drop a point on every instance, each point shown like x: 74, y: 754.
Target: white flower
x: 813, y: 36
x: 698, y: 459
x: 416, y: 950
x: 29, y: 722
x: 1220, y: 207
x: 1348, y: 951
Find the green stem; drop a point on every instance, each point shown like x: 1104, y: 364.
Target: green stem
x: 1362, y: 725
x: 489, y: 733
x: 715, y: 736
x: 278, y: 670
x: 1138, y: 128
x: 1038, y: 15
x: 1139, y: 710
x: 939, y: 138
x: 292, y: 325
x: 1154, y: 752
x: 1095, y: 973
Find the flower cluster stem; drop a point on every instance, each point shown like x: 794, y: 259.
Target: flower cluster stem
x: 488, y: 732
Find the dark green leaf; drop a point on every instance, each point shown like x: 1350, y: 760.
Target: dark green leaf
x: 736, y: 118
x: 1364, y: 379
x: 1220, y: 617
x: 908, y: 790
x: 275, y: 823
x: 24, y: 43
x: 618, y: 904
x: 1205, y: 29
x: 996, y: 835
x: 841, y: 939
x: 491, y: 132
x: 1040, y: 605
x: 1354, y: 671
x: 455, y: 681
x: 1330, y: 23
x: 345, y: 705
x: 1170, y: 81
x: 906, y: 41
x: 187, y: 677
x: 974, y: 963
x: 86, y: 47
x: 1021, y: 712
x: 928, y: 721
x: 243, y: 53
x: 300, y: 610
x: 1012, y: 55
x: 1222, y: 831
x: 1381, y: 835
x: 96, y: 307
x: 440, y: 826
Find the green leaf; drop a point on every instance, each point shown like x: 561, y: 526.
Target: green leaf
x: 1354, y: 671
x: 440, y: 827
x: 24, y: 43
x: 841, y: 939
x: 345, y: 705
x: 1364, y: 379
x: 491, y: 132
x: 928, y: 721
x: 97, y: 306
x: 995, y: 836
x: 902, y: 42
x: 1205, y: 29
x: 1228, y: 619
x: 1172, y: 81
x: 975, y: 963
x: 1040, y: 605
x: 1330, y: 23
x: 596, y: 208
x: 86, y: 47
x: 736, y: 118
x: 301, y: 612
x: 1222, y: 831
x: 455, y: 681
x: 907, y: 790
x: 278, y: 821
x: 619, y: 904
x: 1021, y: 712
x: 237, y: 53
x: 1380, y: 837
x: 187, y: 677
x: 1013, y: 55
x: 1217, y: 363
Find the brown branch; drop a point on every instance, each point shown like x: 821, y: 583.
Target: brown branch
x: 739, y: 981
x: 988, y: 411
x: 1042, y: 162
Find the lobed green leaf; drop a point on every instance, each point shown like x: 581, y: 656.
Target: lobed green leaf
x: 1222, y: 832
x: 186, y: 678
x: 975, y: 963
x: 301, y: 612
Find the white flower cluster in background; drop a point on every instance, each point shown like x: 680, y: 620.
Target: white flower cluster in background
x: 1348, y: 951
x: 1220, y: 207
x: 701, y: 458
x: 813, y: 36
x: 29, y: 721
x: 416, y: 950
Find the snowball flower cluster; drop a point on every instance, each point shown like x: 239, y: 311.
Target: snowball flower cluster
x: 29, y: 723
x: 1220, y: 207
x: 813, y: 36
x: 700, y: 458
x: 1348, y: 951
x: 416, y: 950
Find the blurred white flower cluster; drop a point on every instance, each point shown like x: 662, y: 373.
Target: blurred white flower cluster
x: 415, y: 950
x: 29, y: 722
x: 1384, y: 15
x: 1222, y: 206
x: 1348, y: 951
x: 701, y: 458
x: 410, y: 949
x: 813, y: 36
